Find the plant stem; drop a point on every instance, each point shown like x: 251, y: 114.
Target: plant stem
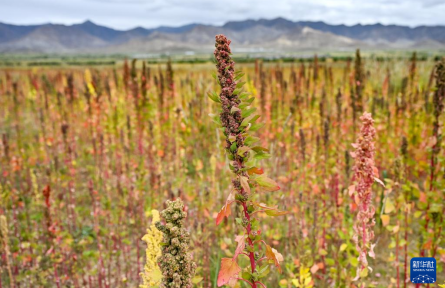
x: 251, y: 254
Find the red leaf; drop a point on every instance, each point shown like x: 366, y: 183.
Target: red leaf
x: 255, y: 170
x: 241, y: 239
x: 225, y: 210
x: 229, y: 269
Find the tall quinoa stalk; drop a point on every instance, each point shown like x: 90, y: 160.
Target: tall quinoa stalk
x: 237, y: 119
x: 438, y: 105
x: 358, y: 77
x: 404, y: 152
x: 365, y: 173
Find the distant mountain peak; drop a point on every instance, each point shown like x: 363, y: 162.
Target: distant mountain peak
x: 250, y: 35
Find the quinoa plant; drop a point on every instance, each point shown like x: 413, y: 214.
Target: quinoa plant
x: 365, y: 173
x: 438, y: 104
x: 237, y: 119
x: 152, y: 274
x: 175, y: 262
x: 4, y: 247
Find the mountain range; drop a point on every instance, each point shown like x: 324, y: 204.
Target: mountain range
x: 275, y: 35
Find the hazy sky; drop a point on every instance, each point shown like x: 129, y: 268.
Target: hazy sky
x: 124, y: 14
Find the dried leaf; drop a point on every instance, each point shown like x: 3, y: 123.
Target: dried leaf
x: 244, y: 184
x: 273, y: 255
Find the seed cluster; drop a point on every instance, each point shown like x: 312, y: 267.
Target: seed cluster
x: 364, y: 176
x: 438, y: 103
x: 175, y: 262
x: 231, y: 115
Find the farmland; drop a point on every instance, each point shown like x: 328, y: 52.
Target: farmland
x: 87, y: 152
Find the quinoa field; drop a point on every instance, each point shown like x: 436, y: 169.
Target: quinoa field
x: 315, y: 172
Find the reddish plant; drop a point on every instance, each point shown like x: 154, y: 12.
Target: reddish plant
x: 238, y: 119
x: 365, y: 173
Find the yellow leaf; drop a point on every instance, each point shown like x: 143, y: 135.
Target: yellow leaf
x: 385, y: 219
x: 389, y: 206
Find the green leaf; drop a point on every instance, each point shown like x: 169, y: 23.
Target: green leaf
x: 240, y: 84
x: 259, y: 149
x: 254, y: 224
x: 212, y: 95
x: 252, y: 118
x: 256, y: 127
x: 389, y: 207
x: 250, y: 140
x: 248, y: 112
x: 330, y: 261
x: 364, y: 272
x: 261, y: 156
x: 246, y: 275
x: 264, y: 271
x: 239, y: 76
x: 236, y: 91
x: 197, y: 279
x: 242, y: 150
x: 243, y: 96
x: 266, y: 183
x: 233, y: 147
x: 274, y: 213
x: 250, y: 100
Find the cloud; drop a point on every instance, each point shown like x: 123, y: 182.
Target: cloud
x: 121, y: 2
x: 433, y: 3
x: 125, y: 14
